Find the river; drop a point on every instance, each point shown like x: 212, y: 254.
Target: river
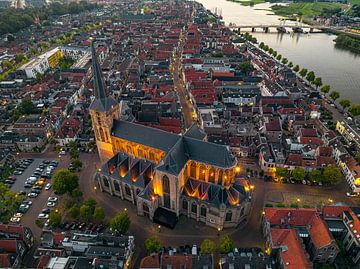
x: 338, y: 68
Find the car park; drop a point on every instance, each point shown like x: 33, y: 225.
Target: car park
x: 43, y: 216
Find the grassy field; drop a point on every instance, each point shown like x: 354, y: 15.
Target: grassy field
x: 307, y: 10
x: 249, y: 3
x: 354, y: 2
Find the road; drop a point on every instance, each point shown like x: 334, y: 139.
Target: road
x: 186, y: 105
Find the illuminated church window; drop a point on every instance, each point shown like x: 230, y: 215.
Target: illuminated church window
x: 166, y: 184
x: 193, y: 170
x: 202, y: 173
x: 212, y: 175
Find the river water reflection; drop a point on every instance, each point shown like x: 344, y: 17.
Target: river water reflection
x: 338, y: 68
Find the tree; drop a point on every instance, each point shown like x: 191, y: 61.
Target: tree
x: 152, y: 244
x: 86, y: 213
x: 296, y: 68
x: 282, y: 172
x: 207, y: 247
x: 344, y: 103
x: 284, y: 61
x: 226, y: 245
x: 290, y: 65
x: 325, y: 89
x: 303, y: 72
x: 91, y: 203
x: 245, y: 67
x: 315, y: 176
x: 120, y: 223
x: 266, y: 47
x: 99, y: 214
x: 6, y: 64
x: 334, y: 95
x: 10, y: 38
x: 354, y: 109
x: 9, y: 202
x: 275, y: 53
x: 317, y: 82
x: 77, y: 164
x: 261, y: 45
x: 332, y: 175
x: 310, y: 76
x: 298, y: 173
x: 271, y: 51
x: 65, y: 181
x: 74, y: 212
x: 357, y: 157
x: 279, y: 57
x: 54, y: 219
x: 76, y: 193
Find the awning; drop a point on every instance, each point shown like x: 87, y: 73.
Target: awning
x: 165, y: 217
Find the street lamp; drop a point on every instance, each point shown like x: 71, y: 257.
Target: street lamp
x: 298, y: 200
x: 125, y: 209
x: 95, y: 188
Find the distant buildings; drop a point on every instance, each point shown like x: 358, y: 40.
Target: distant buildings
x: 42, y: 63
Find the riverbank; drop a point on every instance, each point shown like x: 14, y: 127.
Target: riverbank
x: 307, y: 10
x: 344, y: 41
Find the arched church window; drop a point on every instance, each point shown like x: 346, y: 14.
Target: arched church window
x: 166, y: 184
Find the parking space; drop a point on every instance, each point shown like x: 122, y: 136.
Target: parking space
x: 35, y: 181
x: 20, y: 179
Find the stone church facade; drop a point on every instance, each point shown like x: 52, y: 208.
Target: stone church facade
x: 164, y: 174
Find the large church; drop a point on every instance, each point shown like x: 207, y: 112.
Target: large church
x: 164, y: 174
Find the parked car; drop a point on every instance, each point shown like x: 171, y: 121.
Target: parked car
x: 23, y: 208
x: 8, y: 181
x: 46, y: 210
x: 18, y: 215
x: 48, y: 186
x: 18, y: 172
x: 43, y: 216
x: 15, y: 220
x: 32, y: 195
x: 35, y: 191
x: 50, y: 204
x: 47, y: 223
x: 52, y: 199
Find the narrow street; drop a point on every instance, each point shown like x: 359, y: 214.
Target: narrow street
x: 187, y: 108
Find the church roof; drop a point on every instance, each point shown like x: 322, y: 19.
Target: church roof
x: 179, y: 149
x: 144, y: 135
x: 195, y: 132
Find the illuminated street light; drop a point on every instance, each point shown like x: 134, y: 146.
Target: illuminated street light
x: 95, y: 188
x: 252, y: 187
x: 125, y: 209
x: 331, y: 200
x: 298, y: 200
x: 237, y: 169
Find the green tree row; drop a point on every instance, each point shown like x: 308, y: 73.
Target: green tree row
x: 208, y: 247
x: 310, y: 76
x: 329, y: 175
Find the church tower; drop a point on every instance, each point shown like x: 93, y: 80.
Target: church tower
x: 103, y: 110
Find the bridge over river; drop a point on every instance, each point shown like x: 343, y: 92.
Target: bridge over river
x: 280, y: 28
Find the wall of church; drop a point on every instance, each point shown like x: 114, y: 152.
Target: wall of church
x: 137, y: 150
x: 209, y: 173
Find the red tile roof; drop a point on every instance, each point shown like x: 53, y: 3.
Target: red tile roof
x: 176, y: 262
x: 336, y: 212
x: 293, y: 255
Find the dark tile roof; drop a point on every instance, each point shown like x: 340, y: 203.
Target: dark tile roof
x: 144, y: 135
x: 195, y: 132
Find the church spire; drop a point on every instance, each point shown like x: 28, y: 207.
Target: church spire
x: 99, y: 87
